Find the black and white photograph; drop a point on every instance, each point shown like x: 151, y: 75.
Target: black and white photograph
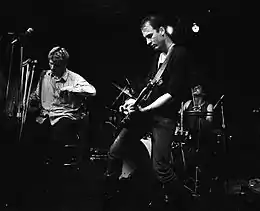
x: 109, y: 105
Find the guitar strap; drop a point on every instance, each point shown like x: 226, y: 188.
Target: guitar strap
x: 161, y: 70
x: 159, y: 73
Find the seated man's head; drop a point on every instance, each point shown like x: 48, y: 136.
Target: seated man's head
x: 58, y: 59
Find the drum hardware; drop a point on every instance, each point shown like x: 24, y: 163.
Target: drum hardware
x: 199, y: 113
x: 254, y: 185
x: 193, y: 183
x: 181, y: 133
x: 123, y: 91
x: 113, y: 119
x: 98, y: 154
x: 74, y: 159
x: 222, y: 110
x: 223, y: 124
x: 220, y: 136
x: 196, y: 181
x: 220, y: 100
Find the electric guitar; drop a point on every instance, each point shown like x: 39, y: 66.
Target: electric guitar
x: 146, y: 92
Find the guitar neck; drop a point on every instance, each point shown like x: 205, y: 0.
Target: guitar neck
x: 143, y: 94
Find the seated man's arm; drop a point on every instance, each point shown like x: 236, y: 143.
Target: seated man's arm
x: 34, y: 98
x: 81, y: 86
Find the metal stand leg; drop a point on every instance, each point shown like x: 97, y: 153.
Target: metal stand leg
x: 196, y: 180
x: 196, y: 185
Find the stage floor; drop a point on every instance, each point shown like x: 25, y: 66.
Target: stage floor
x: 30, y: 186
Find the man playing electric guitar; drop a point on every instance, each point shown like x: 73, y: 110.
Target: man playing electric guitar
x: 155, y: 110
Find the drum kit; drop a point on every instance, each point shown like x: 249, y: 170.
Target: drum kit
x: 187, y: 150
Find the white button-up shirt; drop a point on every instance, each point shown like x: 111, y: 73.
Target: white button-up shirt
x: 57, y: 105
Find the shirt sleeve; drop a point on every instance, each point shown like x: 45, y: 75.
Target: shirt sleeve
x: 82, y: 86
x: 35, y: 95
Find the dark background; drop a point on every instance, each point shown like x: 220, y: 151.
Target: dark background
x: 105, y: 45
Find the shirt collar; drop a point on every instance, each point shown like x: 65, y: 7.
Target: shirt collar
x: 63, y: 78
x: 163, y: 56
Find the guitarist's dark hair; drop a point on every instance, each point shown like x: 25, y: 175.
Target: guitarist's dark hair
x: 157, y: 21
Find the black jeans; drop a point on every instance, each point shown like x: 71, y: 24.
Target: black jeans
x: 161, y: 149
x: 125, y: 147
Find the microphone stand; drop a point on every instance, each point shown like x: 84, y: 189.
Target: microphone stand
x: 223, y: 125
x: 9, y: 108
x: 24, y: 87
x: 28, y: 66
x: 20, y: 96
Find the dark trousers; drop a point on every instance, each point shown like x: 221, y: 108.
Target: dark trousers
x: 49, y: 140
x: 124, y: 147
x: 160, y: 178
x: 44, y: 152
x: 161, y: 149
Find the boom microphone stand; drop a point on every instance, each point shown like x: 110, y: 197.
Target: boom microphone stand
x: 26, y: 73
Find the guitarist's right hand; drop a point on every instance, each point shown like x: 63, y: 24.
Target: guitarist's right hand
x: 128, y: 107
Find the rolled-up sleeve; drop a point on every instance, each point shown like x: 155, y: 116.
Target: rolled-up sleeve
x: 82, y: 86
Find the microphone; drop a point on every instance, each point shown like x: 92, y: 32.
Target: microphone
x: 27, y: 32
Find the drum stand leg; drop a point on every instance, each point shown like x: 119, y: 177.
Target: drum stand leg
x: 196, y: 181
x: 194, y: 191
x: 196, y: 185
x: 183, y: 157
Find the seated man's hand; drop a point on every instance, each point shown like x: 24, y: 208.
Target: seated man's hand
x: 67, y: 89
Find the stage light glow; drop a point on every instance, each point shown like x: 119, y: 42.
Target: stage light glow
x: 169, y: 30
x: 195, y: 28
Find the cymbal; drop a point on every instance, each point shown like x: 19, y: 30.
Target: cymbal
x: 124, y: 90
x: 198, y: 113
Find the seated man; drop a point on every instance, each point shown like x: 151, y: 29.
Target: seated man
x: 58, y: 97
